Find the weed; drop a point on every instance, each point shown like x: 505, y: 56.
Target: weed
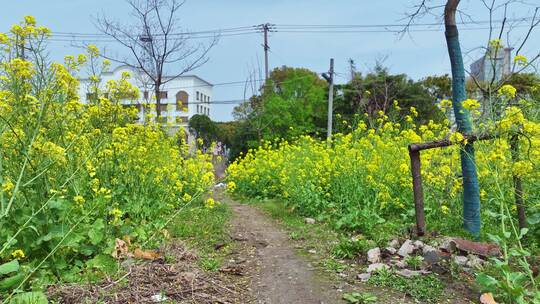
x: 359, y: 298
x: 414, y: 261
x: 421, y: 288
x: 349, y: 248
x: 333, y: 265
x: 210, y: 263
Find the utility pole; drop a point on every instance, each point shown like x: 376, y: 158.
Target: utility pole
x: 266, y: 49
x: 330, y: 78
x: 266, y: 28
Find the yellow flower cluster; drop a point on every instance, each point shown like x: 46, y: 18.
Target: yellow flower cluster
x: 64, y: 164
x: 18, y: 254
x: 507, y: 91
x: 210, y: 203
x: 470, y: 104
x: 368, y: 171
x: 445, y: 104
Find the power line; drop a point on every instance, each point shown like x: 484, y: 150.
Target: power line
x: 401, y: 25
x: 80, y: 39
x: 257, y: 28
x: 216, y: 31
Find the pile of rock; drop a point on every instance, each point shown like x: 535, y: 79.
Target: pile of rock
x: 413, y: 257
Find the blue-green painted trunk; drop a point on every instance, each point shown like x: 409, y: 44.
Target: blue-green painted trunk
x: 471, y: 193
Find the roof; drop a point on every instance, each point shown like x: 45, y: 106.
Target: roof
x: 124, y: 66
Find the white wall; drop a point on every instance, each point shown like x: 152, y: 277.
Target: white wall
x: 191, y: 84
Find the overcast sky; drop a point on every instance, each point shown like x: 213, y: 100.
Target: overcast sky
x: 419, y: 54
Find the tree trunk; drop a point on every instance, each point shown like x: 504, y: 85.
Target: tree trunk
x: 471, y: 193
x: 158, y: 101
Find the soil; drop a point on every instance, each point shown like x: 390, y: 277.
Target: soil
x: 278, y: 274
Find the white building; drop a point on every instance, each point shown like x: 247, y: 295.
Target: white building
x: 185, y: 92
x: 493, y: 65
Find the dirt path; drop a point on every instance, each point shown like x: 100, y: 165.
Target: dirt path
x: 278, y: 274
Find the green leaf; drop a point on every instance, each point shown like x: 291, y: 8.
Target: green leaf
x: 58, y: 204
x: 29, y: 298
x: 523, y: 232
x: 10, y: 282
x: 9, y: 267
x: 495, y: 238
x: 96, y: 233
x: 486, y: 280
x: 352, y: 297
x: 534, y: 219
x: 104, y: 263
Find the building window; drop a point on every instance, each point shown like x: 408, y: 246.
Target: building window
x: 182, y: 100
x: 181, y: 119
x: 163, y: 95
x: 197, y: 95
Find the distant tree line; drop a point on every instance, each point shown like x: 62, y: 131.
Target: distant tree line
x: 293, y: 102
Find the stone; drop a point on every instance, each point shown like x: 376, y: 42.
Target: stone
x: 474, y: 262
x: 377, y: 266
x: 448, y: 245
x: 394, y: 243
x: 408, y: 273
x: 374, y: 255
x: 309, y: 221
x: 460, y: 260
x: 428, y: 248
x: 158, y: 298
x: 312, y: 251
x: 406, y: 249
x: 390, y: 250
x: 364, y: 277
x: 431, y: 257
x: 400, y: 264
x: 418, y: 245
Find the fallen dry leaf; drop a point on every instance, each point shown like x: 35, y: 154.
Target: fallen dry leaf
x: 146, y: 254
x: 121, y: 249
x: 487, y: 298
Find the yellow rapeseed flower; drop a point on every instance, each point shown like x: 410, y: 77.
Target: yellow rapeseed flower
x: 18, y: 254
x: 470, y: 104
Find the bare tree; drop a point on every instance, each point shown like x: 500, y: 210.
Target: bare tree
x: 155, y: 43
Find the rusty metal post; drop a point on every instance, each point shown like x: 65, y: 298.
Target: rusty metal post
x: 518, y: 188
x: 418, y: 191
